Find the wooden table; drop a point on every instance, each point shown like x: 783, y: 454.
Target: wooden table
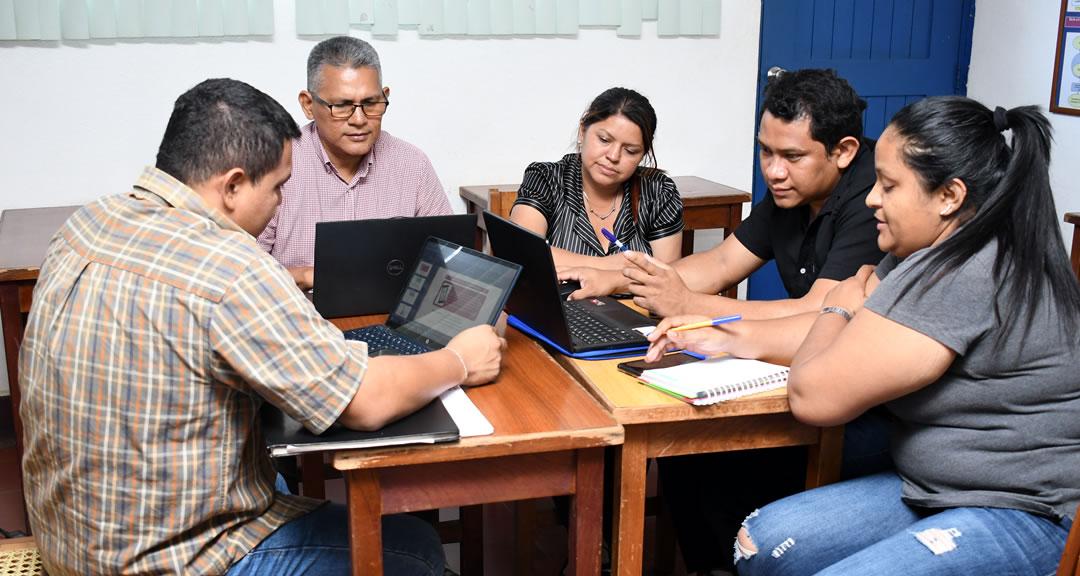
x: 706, y: 205
x: 657, y: 425
x: 549, y: 440
x: 24, y: 237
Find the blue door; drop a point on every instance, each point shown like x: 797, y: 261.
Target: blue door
x: 892, y: 51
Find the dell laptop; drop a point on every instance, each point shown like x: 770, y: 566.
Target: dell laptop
x: 448, y: 289
x: 360, y: 265
x: 578, y: 326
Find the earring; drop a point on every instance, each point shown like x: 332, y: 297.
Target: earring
x: 946, y: 210
x: 579, y: 145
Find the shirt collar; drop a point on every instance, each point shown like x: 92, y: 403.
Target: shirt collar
x: 155, y: 185
x: 365, y: 163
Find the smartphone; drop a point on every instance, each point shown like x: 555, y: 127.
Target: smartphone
x: 636, y: 367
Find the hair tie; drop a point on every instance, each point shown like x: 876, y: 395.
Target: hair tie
x: 1001, y: 121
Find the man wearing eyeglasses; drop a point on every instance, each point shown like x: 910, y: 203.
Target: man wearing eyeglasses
x: 344, y: 166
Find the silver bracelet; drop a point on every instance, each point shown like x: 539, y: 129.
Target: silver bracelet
x: 462, y: 360
x: 836, y: 310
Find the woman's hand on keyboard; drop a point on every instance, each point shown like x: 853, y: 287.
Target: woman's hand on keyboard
x: 481, y: 349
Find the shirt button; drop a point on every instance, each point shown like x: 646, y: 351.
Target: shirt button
x: 802, y: 270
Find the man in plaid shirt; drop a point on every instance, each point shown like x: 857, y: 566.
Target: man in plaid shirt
x: 157, y: 331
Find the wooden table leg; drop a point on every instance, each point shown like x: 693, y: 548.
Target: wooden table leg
x: 586, y: 513
x: 665, y: 532
x: 525, y: 536
x: 472, y: 540
x: 823, y: 466
x: 687, y: 242
x: 629, y: 517
x: 364, y: 496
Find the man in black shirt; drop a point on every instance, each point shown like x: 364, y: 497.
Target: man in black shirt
x: 813, y: 220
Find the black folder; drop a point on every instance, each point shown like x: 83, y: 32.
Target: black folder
x: 285, y: 436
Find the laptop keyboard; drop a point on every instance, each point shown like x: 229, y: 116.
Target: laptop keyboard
x: 380, y: 336
x: 586, y: 328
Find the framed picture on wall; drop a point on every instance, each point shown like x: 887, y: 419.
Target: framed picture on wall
x: 1065, y: 96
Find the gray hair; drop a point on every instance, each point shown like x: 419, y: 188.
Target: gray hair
x: 340, y: 52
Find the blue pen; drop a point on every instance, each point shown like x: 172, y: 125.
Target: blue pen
x: 713, y: 322
x: 607, y: 234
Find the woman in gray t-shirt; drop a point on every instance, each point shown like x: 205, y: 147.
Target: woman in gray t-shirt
x: 968, y: 334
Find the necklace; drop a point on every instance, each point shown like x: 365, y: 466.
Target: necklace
x: 589, y: 204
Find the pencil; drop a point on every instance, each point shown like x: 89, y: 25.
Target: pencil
x: 713, y: 322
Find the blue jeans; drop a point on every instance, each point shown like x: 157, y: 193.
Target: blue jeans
x: 318, y: 543
x: 749, y: 479
x: 861, y: 526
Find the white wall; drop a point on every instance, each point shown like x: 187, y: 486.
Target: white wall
x: 1012, y: 64
x: 482, y: 109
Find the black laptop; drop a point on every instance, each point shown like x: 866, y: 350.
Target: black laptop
x: 449, y: 289
x: 360, y: 265
x: 285, y: 436
x: 578, y: 326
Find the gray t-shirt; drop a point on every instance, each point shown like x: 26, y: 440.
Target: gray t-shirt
x: 999, y: 429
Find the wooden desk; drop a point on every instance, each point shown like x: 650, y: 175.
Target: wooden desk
x: 657, y: 425
x: 549, y: 438
x: 1074, y: 219
x: 24, y: 237
x: 706, y: 205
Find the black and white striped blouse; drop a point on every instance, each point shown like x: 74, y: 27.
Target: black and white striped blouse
x: 555, y: 189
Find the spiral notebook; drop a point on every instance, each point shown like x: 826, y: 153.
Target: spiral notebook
x: 716, y: 379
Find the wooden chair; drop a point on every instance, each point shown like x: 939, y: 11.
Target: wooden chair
x: 1074, y: 219
x: 1070, y: 558
x: 19, y: 556
x: 500, y: 202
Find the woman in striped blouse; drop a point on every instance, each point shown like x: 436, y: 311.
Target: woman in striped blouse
x: 608, y: 183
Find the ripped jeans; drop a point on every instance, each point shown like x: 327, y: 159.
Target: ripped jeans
x: 861, y: 526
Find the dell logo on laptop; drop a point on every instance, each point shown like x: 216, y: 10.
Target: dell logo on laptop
x: 395, y: 267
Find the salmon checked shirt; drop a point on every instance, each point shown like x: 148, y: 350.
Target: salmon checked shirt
x: 157, y: 330
x: 394, y: 180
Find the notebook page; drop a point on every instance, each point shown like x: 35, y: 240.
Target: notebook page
x: 720, y: 376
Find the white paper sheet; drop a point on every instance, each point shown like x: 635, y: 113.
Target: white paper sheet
x: 470, y: 421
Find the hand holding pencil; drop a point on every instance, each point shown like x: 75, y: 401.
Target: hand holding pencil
x: 683, y: 332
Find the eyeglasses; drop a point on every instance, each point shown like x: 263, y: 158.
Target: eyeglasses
x: 343, y: 111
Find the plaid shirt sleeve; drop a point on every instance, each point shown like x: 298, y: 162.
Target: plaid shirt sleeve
x: 268, y: 338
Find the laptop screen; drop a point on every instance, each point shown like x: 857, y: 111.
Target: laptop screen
x: 451, y: 289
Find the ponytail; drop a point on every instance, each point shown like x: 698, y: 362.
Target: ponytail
x: 1008, y: 199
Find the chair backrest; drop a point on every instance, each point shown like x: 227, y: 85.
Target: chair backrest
x: 1074, y: 219
x: 500, y: 202
x: 1070, y: 558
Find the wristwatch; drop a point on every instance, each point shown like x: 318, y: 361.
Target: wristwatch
x: 836, y: 310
